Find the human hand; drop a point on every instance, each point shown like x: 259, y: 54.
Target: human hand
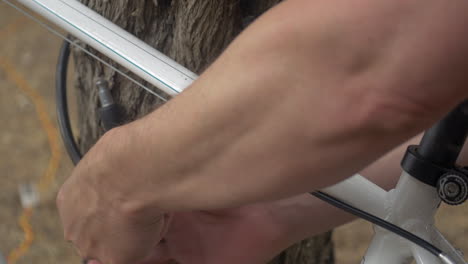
x: 246, y: 235
x: 243, y: 235
x: 101, y: 230
x: 98, y: 218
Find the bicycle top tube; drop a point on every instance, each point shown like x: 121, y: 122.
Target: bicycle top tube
x: 116, y: 43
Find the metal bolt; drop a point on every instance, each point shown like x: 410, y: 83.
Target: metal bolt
x: 104, y: 94
x: 452, y: 189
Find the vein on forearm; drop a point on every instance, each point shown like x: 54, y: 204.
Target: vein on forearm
x: 295, y: 96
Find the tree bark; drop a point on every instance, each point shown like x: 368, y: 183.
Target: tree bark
x: 192, y: 32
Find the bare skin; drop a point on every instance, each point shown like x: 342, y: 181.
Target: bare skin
x: 227, y: 236
x: 355, y: 90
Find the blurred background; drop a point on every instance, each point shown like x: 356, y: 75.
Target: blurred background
x: 31, y: 152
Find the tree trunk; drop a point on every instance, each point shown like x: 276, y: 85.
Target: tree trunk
x: 192, y: 32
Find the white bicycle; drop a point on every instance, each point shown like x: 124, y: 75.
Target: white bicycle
x: 404, y: 217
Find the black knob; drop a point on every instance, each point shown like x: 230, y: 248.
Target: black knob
x: 453, y: 188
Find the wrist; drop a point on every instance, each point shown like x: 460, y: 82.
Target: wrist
x: 120, y: 168
x: 147, y: 159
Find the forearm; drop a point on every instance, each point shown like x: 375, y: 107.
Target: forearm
x: 252, y: 129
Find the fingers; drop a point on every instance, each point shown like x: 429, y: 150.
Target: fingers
x: 160, y: 255
x: 167, y: 223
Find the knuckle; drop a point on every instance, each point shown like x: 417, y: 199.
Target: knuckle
x: 60, y: 198
x: 68, y: 235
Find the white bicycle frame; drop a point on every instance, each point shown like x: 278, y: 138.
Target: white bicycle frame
x: 411, y: 205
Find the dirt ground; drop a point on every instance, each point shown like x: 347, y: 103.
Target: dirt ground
x: 24, y: 154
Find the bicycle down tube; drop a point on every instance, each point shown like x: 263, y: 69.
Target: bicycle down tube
x: 114, y: 42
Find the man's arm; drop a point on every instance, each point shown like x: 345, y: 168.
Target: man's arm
x: 311, y: 88
x: 267, y: 227
x: 324, y: 90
